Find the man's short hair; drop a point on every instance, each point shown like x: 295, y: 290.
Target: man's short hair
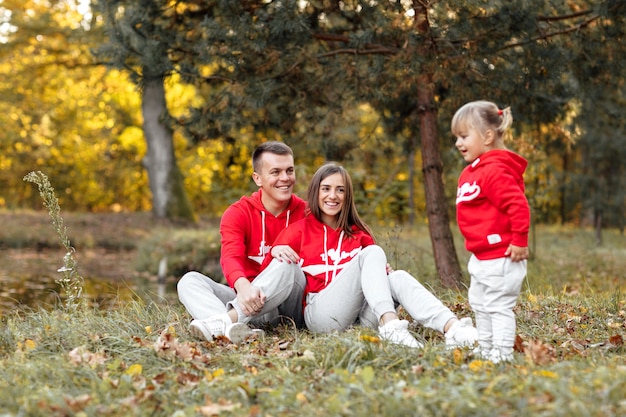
x: 278, y: 148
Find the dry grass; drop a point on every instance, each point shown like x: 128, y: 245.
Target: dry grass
x: 139, y: 358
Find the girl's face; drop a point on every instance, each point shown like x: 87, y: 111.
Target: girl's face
x: 472, y: 144
x: 331, y: 198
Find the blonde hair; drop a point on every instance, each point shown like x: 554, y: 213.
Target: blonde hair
x: 482, y: 116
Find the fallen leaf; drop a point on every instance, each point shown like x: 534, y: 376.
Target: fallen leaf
x: 616, y: 340
x: 134, y: 369
x: 214, y: 409
x: 539, y: 352
x: 186, y: 378
x: 77, y: 404
x: 458, y: 356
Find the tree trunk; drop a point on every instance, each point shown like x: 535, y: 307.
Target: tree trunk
x: 446, y: 259
x: 412, y: 186
x: 169, y: 198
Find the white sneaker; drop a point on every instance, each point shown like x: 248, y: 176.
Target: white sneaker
x: 220, y: 325
x: 461, y: 333
x: 480, y: 352
x: 397, y: 331
x: 498, y: 355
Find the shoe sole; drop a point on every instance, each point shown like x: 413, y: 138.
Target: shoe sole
x: 199, y: 334
x: 239, y: 332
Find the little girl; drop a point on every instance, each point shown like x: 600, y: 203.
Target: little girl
x: 348, y: 278
x: 494, y: 217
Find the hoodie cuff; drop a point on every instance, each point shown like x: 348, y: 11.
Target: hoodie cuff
x: 234, y: 277
x: 520, y: 239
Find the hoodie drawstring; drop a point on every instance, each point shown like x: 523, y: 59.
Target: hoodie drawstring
x: 337, y: 255
x: 262, y: 248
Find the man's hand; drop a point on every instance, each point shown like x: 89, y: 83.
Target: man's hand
x: 250, y: 298
x: 517, y: 253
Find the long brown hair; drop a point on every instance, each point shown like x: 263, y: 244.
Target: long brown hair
x: 349, y: 215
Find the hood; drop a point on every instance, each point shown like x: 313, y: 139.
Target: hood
x: 509, y: 160
x: 254, y: 201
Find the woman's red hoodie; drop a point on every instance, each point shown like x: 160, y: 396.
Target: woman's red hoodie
x: 323, y: 251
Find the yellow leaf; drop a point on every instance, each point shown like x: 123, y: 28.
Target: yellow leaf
x: 371, y: 339
x: 148, y: 329
x: 29, y: 344
x: 300, y: 397
x: 367, y: 374
x: 547, y: 374
x: 479, y: 366
x: 134, y: 369
x: 458, y: 356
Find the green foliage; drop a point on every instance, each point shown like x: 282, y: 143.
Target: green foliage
x: 333, y: 80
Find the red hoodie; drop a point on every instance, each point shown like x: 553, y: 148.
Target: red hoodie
x: 248, y: 231
x: 323, y: 250
x: 492, y: 210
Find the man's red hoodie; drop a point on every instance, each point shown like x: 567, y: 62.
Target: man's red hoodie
x: 248, y: 231
x: 492, y: 210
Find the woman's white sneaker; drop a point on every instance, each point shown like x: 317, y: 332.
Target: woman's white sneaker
x: 461, y: 333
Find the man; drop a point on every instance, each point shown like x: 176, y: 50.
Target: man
x: 248, y: 229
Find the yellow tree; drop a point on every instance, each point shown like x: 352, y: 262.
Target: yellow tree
x: 65, y: 115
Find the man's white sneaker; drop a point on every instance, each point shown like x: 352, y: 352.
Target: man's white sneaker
x: 461, y: 333
x: 220, y: 325
x: 397, y: 331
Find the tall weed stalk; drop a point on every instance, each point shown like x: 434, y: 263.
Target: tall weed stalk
x: 71, y: 281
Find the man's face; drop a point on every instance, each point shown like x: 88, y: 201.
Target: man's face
x: 277, y: 177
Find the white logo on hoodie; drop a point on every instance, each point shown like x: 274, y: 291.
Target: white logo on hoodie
x: 338, y: 255
x: 467, y: 192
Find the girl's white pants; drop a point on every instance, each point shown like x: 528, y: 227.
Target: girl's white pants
x: 494, y: 289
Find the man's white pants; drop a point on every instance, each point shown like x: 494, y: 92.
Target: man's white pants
x: 281, y: 282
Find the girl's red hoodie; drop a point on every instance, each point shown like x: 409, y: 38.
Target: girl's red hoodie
x: 323, y: 251
x: 248, y: 231
x: 492, y: 210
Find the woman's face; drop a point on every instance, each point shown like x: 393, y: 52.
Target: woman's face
x: 331, y: 198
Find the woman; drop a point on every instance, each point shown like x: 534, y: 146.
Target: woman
x: 348, y: 278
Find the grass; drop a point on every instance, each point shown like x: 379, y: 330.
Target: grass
x: 139, y: 359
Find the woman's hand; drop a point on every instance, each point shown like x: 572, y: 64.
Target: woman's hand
x: 284, y: 253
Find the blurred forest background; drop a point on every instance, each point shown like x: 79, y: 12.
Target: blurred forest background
x: 156, y: 105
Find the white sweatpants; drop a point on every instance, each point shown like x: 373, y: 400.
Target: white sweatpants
x: 364, y: 291
x: 495, y: 286
x: 281, y: 282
